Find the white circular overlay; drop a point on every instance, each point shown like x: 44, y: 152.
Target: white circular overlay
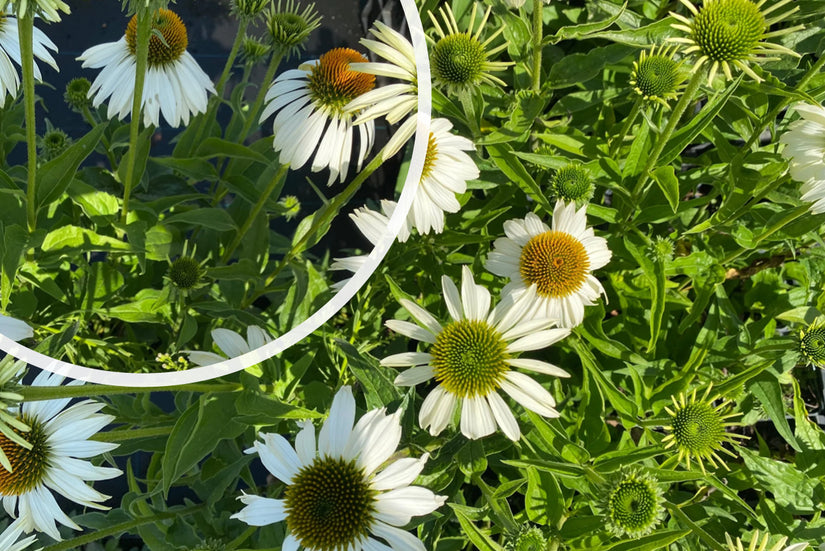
x: 325, y: 312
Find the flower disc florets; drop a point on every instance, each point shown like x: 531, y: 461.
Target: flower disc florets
x: 572, y: 183
x: 556, y: 262
x: 469, y: 358
x: 634, y: 504
x: 333, y: 84
x: 289, y: 27
x: 812, y: 343
x: 186, y: 273
x: 729, y: 33
x: 460, y: 60
x: 329, y: 504
x: 168, y: 41
x: 698, y: 429
x: 28, y: 465
x: 657, y: 76
x: 77, y: 94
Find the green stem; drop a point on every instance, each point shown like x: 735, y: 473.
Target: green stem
x: 230, y: 61
x: 465, y: 96
x: 330, y: 211
x: 144, y: 33
x: 25, y: 28
x: 37, y: 393
x: 126, y: 526
x: 275, y: 183
x: 255, y: 110
x: 215, y: 101
x: 787, y: 219
x: 538, y: 27
x: 131, y: 434
x: 628, y: 124
x: 678, y: 110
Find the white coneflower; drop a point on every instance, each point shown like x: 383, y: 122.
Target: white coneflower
x: 311, y: 116
x: 557, y: 263
x: 805, y: 151
x: 8, y: 539
x: 230, y: 343
x: 372, y: 225
x: 14, y: 328
x: 175, y: 84
x: 47, y: 9
x: 447, y: 168
x: 393, y: 101
x: 474, y: 356
x: 345, y: 492
x: 757, y: 545
x: 10, y: 50
x: 60, y: 443
x: 730, y: 34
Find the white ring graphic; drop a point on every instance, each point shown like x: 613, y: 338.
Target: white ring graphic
x: 326, y: 311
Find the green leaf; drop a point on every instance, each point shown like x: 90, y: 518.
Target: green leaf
x: 791, y: 488
x: 376, y: 380
x: 15, y: 239
x: 193, y: 168
x: 95, y: 204
x: 544, y: 501
x: 767, y: 390
x: 583, y: 30
x: 54, y: 177
x: 507, y: 162
x: 665, y: 178
x: 637, y: 156
x: 577, y: 68
x: 217, y: 147
x: 623, y: 405
x: 215, y: 219
x: 482, y: 541
x: 196, y: 434
x: 651, y: 542
x: 81, y: 240
x: 149, y: 306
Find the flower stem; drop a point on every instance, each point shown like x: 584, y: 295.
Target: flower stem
x: 25, y: 28
x: 538, y: 27
x: 203, y: 122
x: 37, y: 393
x: 275, y: 183
x: 144, y: 33
x: 126, y: 526
x: 321, y: 218
x: 628, y: 124
x: 254, y: 111
x: 230, y: 61
x: 678, y: 110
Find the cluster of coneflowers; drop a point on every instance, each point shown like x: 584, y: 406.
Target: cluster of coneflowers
x: 346, y: 488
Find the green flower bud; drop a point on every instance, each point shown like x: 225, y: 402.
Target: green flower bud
x: 253, y: 50
x: 249, y: 9
x: 812, y: 343
x: 53, y: 143
x: 186, y: 273
x: 572, y: 183
x: 77, y: 94
x: 289, y: 27
x: 634, y: 504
